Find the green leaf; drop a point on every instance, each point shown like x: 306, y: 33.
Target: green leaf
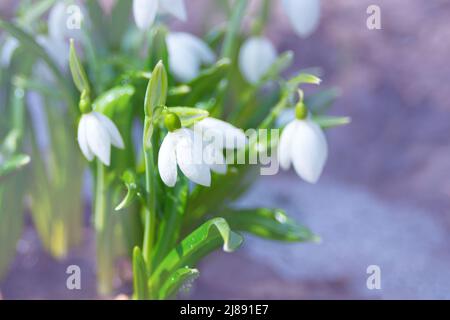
x: 158, y: 47
x: 322, y: 100
x: 207, y: 81
x: 176, y: 281
x: 119, y: 21
x: 139, y: 275
x: 78, y: 74
x: 282, y: 63
x: 35, y: 11
x: 327, y: 122
x: 172, y: 219
x: 35, y: 50
x: 114, y: 100
x: 14, y: 163
x: 208, y: 237
x: 156, y: 93
x: 303, y: 78
x: 134, y: 190
x: 268, y: 223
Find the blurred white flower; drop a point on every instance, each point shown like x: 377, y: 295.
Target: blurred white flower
x: 187, y: 53
x: 218, y: 135
x: 65, y: 20
x: 96, y: 134
x: 256, y: 57
x: 183, y: 147
x: 145, y: 11
x: 303, y: 144
x: 8, y: 48
x: 304, y: 15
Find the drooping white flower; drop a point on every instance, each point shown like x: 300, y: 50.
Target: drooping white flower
x: 145, y: 11
x: 8, y: 48
x: 218, y: 135
x: 183, y: 148
x: 303, y: 144
x: 304, y: 15
x: 256, y: 57
x: 96, y: 134
x: 65, y: 21
x: 187, y: 53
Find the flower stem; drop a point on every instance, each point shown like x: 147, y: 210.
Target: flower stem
x: 150, y: 186
x: 103, y: 228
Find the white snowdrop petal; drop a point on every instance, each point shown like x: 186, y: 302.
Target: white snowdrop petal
x: 256, y: 57
x: 189, y: 158
x: 167, y: 162
x: 82, y: 140
x: 284, y: 147
x: 98, y: 138
x: 198, y: 47
x: 10, y: 45
x: 57, y: 49
x: 176, y: 8
x: 57, y: 21
x: 309, y: 150
x: 144, y: 12
x: 304, y: 15
x: 183, y: 62
x: 114, y: 134
x: 215, y: 159
x: 230, y: 136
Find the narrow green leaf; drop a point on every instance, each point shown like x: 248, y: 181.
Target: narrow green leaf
x: 171, y: 220
x: 35, y: 11
x: 134, y: 190
x: 327, y: 122
x: 35, y: 50
x: 322, y: 100
x: 139, y: 275
x: 207, y: 81
x: 119, y: 21
x: 176, y: 281
x: 282, y: 63
x: 208, y: 237
x: 13, y: 164
x: 114, y: 100
x: 268, y: 223
x: 304, y: 78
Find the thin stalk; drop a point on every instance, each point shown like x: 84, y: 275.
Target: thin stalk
x: 105, y: 257
x: 150, y: 187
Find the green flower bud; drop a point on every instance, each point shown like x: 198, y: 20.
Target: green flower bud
x: 301, y: 111
x: 172, y: 122
x: 85, y: 102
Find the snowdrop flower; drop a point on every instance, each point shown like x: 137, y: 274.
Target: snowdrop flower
x: 303, y: 144
x: 96, y: 134
x: 145, y: 11
x: 182, y: 147
x: 65, y: 21
x: 187, y: 53
x: 256, y: 57
x: 304, y: 15
x: 10, y: 45
x: 218, y: 135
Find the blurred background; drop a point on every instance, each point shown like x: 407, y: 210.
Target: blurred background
x: 384, y: 198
